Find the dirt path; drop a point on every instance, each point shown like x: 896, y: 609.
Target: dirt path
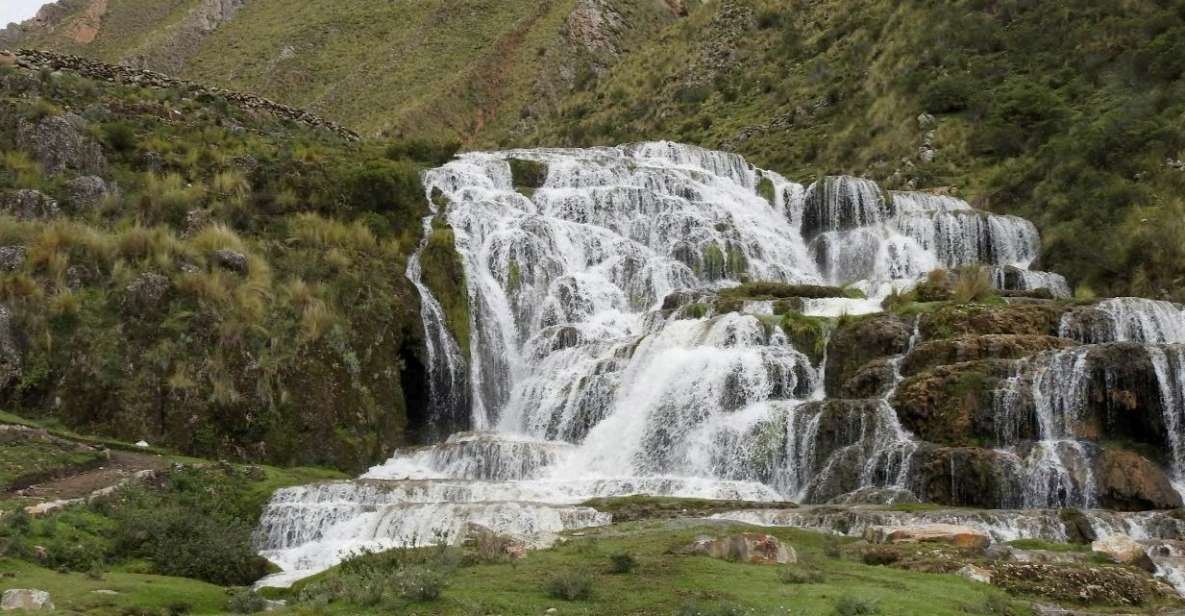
x: 122, y: 465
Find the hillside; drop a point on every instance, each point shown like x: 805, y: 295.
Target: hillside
x: 457, y: 69
x: 1069, y: 114
x: 206, y: 271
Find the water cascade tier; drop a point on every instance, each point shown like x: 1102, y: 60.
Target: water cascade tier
x: 620, y: 344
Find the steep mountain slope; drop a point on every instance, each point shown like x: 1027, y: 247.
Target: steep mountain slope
x: 1068, y: 113
x: 450, y: 69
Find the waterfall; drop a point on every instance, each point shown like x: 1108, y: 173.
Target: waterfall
x: 1126, y: 319
x: 1010, y: 278
x: 583, y: 384
x: 446, y: 365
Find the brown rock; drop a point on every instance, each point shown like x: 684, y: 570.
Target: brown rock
x: 752, y: 548
x: 1124, y: 550
x: 958, y: 536
x: 1127, y: 481
x: 859, y: 341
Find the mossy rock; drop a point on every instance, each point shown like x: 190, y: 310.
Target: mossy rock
x: 948, y: 351
x: 857, y: 341
x: 1030, y: 319
x: 527, y: 174
x: 954, y: 405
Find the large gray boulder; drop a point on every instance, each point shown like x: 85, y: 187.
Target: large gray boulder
x: 61, y: 143
x: 86, y: 193
x: 25, y: 599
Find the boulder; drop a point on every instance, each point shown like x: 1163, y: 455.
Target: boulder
x: 752, y: 548
x: 86, y: 193
x: 975, y: 574
x: 857, y: 342
x: 1129, y: 482
x: 958, y: 536
x: 231, y: 260
x: 12, y: 258
x: 61, y: 143
x: 26, y: 599
x: 1124, y: 550
x: 146, y: 293
x: 28, y: 204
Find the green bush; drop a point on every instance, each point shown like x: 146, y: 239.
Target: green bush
x: 119, y: 136
x: 622, y: 563
x: 800, y: 575
x: 421, y: 583
x: 569, y: 586
x: 245, y: 602
x: 434, y: 153
x: 851, y: 606
x: 948, y: 93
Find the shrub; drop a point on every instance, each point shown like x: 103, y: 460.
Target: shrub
x: 245, y: 602
x: 386, y: 187
x: 569, y: 586
x: 421, y: 583
x: 800, y: 575
x: 948, y: 93
x: 119, y: 136
x: 832, y: 547
x: 851, y: 606
x: 972, y: 284
x: 880, y: 556
x: 435, y: 153
x: 622, y: 563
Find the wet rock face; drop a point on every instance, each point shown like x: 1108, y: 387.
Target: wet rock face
x: 948, y: 351
x: 1028, y: 319
x: 955, y: 405
x: 858, y: 342
x: 28, y: 205
x: 874, y: 380
x: 1130, y: 482
x: 964, y: 477
x: 61, y: 143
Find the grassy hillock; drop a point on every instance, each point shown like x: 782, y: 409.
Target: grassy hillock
x: 234, y: 288
x: 1069, y: 114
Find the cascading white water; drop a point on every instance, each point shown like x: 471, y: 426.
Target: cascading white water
x: 1126, y: 319
x: 588, y: 388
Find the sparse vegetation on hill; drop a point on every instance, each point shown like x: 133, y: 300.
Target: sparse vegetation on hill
x: 191, y: 273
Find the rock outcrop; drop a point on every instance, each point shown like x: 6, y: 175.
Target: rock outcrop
x: 754, y: 548
x: 61, y: 143
x: 958, y: 536
x: 860, y: 341
x: 38, y: 60
x: 1129, y: 482
x: 28, y: 204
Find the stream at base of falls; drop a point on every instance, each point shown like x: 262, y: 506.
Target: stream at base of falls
x: 582, y: 379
